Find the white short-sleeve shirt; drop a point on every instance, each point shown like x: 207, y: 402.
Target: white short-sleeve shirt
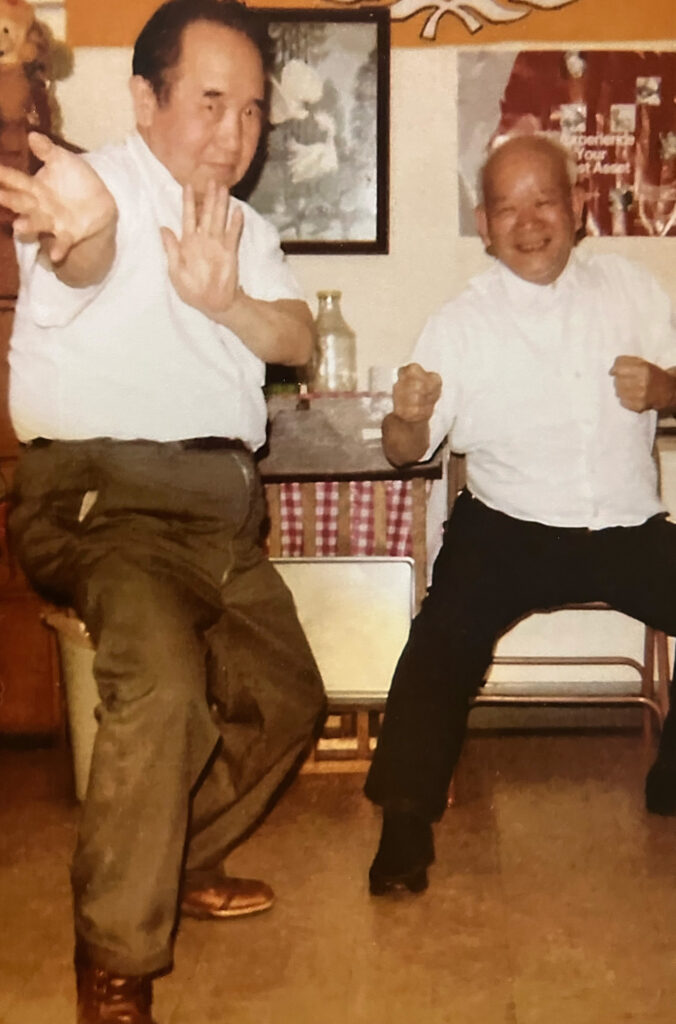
x: 528, y: 395
x: 128, y: 358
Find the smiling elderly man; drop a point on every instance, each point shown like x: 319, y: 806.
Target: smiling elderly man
x: 150, y: 302
x: 547, y: 371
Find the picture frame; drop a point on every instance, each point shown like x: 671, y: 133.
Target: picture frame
x: 322, y: 172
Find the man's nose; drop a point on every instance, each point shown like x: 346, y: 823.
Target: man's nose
x: 527, y: 215
x: 229, y: 131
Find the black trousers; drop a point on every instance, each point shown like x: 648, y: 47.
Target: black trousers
x: 491, y: 570
x: 209, y: 691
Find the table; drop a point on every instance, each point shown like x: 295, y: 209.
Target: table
x: 334, y: 441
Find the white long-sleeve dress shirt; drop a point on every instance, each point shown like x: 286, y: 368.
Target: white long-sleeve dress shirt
x: 528, y: 395
x: 127, y: 358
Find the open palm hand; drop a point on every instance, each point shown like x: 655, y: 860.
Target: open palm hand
x: 63, y: 204
x: 203, y: 263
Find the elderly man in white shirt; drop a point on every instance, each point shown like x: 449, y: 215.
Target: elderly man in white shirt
x: 548, y: 372
x: 150, y: 302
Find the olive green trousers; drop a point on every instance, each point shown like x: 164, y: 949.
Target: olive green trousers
x: 209, y: 693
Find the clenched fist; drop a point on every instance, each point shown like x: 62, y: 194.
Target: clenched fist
x: 641, y: 385
x: 415, y: 393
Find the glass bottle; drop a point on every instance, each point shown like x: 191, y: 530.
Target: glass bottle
x: 334, y: 365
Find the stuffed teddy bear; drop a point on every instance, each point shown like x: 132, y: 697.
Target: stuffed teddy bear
x: 17, y: 24
x: 24, y: 104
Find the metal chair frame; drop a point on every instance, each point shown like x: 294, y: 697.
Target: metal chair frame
x: 653, y: 673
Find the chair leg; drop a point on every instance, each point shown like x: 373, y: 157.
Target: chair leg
x: 363, y: 747
x: 663, y: 671
x: 647, y: 679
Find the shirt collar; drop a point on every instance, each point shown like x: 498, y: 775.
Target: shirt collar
x: 159, y: 174
x: 538, y: 296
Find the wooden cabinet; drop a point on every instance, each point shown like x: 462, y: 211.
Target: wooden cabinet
x: 8, y: 444
x: 30, y: 702
x: 29, y: 691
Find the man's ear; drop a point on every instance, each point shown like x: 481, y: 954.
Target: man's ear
x: 481, y: 221
x: 144, y: 100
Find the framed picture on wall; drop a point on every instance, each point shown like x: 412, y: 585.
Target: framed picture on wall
x: 322, y: 174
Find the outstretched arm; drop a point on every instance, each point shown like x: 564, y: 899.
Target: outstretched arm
x: 204, y: 269
x: 67, y: 208
x: 641, y: 385
x: 406, y: 430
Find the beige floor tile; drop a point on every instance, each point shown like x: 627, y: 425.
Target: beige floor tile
x: 552, y: 901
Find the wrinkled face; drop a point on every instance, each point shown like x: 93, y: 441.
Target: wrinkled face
x: 530, y: 213
x: 208, y: 127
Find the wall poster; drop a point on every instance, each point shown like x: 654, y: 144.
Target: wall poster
x: 614, y: 109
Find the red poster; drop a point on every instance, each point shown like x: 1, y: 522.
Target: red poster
x: 615, y: 111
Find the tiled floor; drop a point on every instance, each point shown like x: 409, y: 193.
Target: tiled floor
x: 553, y: 901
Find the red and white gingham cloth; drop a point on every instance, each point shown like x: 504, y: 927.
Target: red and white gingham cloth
x: 399, y: 505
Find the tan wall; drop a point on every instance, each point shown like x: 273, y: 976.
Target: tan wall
x: 386, y: 298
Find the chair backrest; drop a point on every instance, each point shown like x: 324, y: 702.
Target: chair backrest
x: 356, y: 614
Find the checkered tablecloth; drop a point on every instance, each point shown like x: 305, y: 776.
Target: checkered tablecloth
x: 399, y: 507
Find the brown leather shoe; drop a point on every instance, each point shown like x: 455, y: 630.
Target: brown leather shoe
x: 107, y: 998
x: 227, y: 897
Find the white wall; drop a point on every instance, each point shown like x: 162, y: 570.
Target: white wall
x: 385, y: 298
x: 51, y: 12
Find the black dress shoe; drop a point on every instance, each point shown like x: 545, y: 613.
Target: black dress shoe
x: 106, y: 997
x: 405, y: 851
x: 660, y: 788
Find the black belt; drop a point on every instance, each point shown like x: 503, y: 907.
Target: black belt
x: 214, y: 444
x: 203, y: 444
